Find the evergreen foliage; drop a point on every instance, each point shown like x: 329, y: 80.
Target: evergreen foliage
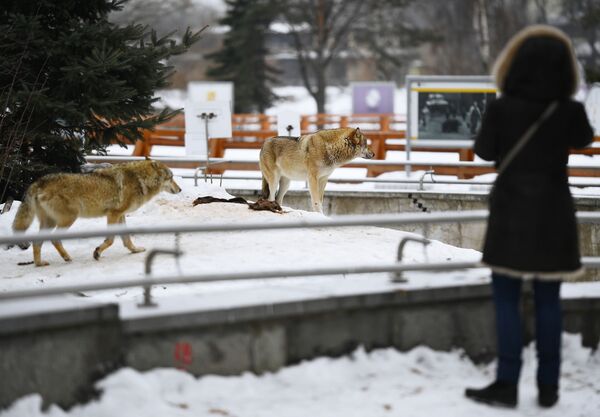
x: 71, y: 82
x: 242, y: 59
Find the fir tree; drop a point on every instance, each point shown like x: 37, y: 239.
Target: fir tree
x: 242, y: 59
x: 71, y: 82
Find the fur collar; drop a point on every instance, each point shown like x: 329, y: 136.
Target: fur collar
x: 530, y: 78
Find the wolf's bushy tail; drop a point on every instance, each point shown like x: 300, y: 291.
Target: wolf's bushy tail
x: 24, y: 217
x: 265, y: 188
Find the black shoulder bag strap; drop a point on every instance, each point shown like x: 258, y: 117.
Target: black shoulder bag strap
x: 526, y: 137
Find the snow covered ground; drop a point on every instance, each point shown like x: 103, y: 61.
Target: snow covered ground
x: 231, y: 251
x: 235, y: 251
x: 418, y: 383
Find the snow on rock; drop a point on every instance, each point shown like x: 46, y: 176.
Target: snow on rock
x: 385, y: 382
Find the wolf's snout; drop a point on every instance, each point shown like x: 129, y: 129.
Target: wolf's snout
x: 369, y: 154
x: 174, y: 188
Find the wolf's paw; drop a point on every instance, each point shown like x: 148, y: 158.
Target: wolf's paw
x: 42, y: 263
x: 137, y: 249
x: 67, y: 258
x: 24, y: 245
x: 97, y: 253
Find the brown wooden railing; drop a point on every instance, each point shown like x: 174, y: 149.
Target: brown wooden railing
x: 251, y: 130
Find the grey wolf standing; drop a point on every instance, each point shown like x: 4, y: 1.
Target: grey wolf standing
x: 59, y: 199
x: 311, y: 158
x: 532, y: 232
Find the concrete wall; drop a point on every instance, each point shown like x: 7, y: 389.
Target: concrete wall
x: 62, y: 360
x: 58, y: 353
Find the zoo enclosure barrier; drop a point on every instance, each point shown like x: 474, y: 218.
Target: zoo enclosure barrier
x: 460, y: 169
x: 386, y: 132
x: 342, y: 221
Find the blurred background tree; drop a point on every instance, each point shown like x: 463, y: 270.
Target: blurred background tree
x: 584, y: 23
x: 166, y: 16
x: 330, y: 43
x: 324, y: 31
x: 73, y: 82
x: 243, y: 57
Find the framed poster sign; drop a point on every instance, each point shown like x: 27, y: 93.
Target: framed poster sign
x: 447, y: 107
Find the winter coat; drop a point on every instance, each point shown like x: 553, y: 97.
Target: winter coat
x: 532, y: 231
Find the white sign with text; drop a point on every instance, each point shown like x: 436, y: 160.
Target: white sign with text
x: 197, y: 114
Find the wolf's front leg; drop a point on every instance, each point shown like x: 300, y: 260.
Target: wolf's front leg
x: 105, y: 245
x: 313, y: 186
x: 127, y: 242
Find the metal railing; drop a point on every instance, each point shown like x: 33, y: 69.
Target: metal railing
x: 149, y: 281
x: 234, y: 276
x: 342, y: 221
x: 339, y: 221
x: 421, y: 182
x: 366, y: 162
x: 201, y: 172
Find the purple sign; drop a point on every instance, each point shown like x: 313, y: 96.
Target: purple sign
x: 375, y: 97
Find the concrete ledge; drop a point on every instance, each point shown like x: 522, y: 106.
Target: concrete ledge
x: 22, y: 316
x: 284, y: 310
x: 62, y: 353
x: 58, y: 348
x: 302, y: 198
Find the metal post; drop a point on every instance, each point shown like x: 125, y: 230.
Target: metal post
x: 397, y: 276
x: 148, y: 271
x: 407, y: 168
x: 196, y: 176
x: 428, y: 172
x: 289, y: 129
x: 206, y: 117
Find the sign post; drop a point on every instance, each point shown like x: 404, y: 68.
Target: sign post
x: 204, y: 120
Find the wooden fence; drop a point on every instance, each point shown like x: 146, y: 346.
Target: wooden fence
x: 251, y: 130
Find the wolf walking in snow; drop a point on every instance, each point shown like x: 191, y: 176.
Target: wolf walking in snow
x: 59, y: 199
x: 311, y: 158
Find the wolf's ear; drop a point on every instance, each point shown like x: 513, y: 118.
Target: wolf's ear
x: 147, y: 157
x: 354, y: 136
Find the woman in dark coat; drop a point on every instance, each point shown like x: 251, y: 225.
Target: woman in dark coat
x: 532, y: 231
